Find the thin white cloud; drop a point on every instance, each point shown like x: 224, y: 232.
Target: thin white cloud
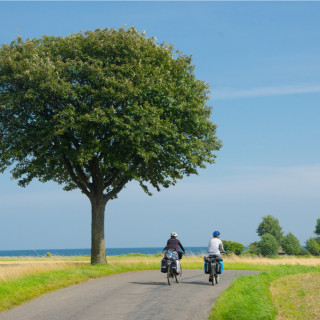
x: 232, y: 93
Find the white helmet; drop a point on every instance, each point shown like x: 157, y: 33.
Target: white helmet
x: 174, y: 234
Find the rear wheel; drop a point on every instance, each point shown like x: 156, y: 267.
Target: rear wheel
x: 178, y: 276
x: 212, y: 274
x: 216, y: 277
x: 169, y: 275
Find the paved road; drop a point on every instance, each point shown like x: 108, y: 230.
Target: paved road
x: 129, y: 296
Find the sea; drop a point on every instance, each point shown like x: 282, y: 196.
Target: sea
x: 190, y: 251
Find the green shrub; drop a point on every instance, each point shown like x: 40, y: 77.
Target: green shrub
x: 254, y: 249
x: 304, y: 252
x: 290, y: 244
x: 233, y: 247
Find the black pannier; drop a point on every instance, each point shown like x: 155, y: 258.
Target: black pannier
x: 174, y: 266
x: 164, y: 266
x: 218, y: 267
x: 207, y: 267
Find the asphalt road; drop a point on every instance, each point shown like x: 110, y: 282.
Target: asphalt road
x: 129, y: 296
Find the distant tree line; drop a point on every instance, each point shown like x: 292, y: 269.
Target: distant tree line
x: 273, y: 241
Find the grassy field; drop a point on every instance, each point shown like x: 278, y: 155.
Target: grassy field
x: 22, y: 279
x: 297, y: 296
x: 250, y: 297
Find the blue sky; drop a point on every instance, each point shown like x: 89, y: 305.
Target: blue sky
x: 262, y: 61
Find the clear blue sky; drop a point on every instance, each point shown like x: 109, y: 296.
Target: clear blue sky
x: 262, y: 61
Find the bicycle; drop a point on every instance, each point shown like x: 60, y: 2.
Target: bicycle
x: 214, y: 267
x: 172, y: 263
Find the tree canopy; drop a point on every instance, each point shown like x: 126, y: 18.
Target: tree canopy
x: 317, y: 230
x: 313, y: 246
x: 290, y: 244
x: 270, y: 225
x: 268, y: 245
x: 98, y: 109
x: 233, y: 247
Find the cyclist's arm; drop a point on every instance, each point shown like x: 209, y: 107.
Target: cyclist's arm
x: 181, y: 246
x: 221, y: 248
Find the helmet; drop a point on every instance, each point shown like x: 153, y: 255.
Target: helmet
x: 216, y: 233
x: 173, y: 234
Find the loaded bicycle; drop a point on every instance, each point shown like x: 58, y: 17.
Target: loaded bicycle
x: 213, y: 266
x: 170, y: 265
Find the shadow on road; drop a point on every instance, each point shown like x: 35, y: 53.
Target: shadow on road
x: 150, y: 283
x: 154, y: 283
x: 196, y: 282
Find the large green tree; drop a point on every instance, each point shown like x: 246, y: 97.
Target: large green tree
x: 95, y: 110
x: 270, y: 225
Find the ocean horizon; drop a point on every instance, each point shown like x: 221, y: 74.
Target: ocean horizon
x: 85, y: 252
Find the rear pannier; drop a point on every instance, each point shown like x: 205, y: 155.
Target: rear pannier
x: 207, y: 267
x: 164, y: 266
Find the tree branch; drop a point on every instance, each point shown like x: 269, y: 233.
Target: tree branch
x: 112, y: 179
x: 83, y: 177
x: 74, y: 177
x: 116, y: 190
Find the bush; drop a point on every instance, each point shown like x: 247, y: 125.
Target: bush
x: 290, y: 244
x: 304, y: 252
x: 233, y: 247
x: 268, y: 245
x: 254, y: 249
x: 312, y: 246
x: 49, y: 254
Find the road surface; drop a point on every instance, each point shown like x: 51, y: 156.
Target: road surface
x: 129, y: 296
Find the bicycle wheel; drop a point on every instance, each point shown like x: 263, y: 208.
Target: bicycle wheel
x: 178, y: 276
x: 212, y: 273
x: 216, y: 277
x: 169, y: 275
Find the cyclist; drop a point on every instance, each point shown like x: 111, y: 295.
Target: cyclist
x: 215, y: 246
x: 173, y: 244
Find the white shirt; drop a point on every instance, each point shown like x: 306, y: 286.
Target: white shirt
x: 215, y: 245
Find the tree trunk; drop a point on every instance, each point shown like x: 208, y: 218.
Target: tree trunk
x: 98, y: 249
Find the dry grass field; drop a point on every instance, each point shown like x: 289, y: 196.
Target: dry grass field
x: 20, y: 267
x: 283, y: 260
x: 10, y: 270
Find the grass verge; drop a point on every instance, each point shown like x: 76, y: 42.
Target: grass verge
x: 17, y: 291
x: 250, y: 297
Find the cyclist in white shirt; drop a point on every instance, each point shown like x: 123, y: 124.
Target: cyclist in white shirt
x: 215, y: 246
